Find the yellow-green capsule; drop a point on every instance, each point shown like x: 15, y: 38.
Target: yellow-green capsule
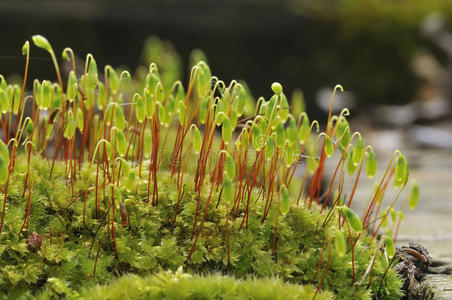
x: 163, y: 117
x: 358, y: 151
x: 230, y: 167
x: 270, y: 147
x: 329, y: 147
x: 113, y: 79
x: 4, y: 101
x: 401, y: 168
x: 29, y: 127
x: 371, y: 164
x: 70, y: 126
x: 80, y: 120
x: 91, y: 77
x: 270, y: 110
x: 312, y: 164
x: 288, y: 149
x: 384, y: 219
x: 121, y: 143
x: 234, y: 119
x: 401, y: 216
x: 149, y: 102
x: 181, y: 107
x: 41, y: 42
x: 339, y: 243
x: 258, y: 141
x: 304, y: 130
x: 277, y: 88
x: 350, y: 165
x: 353, y: 219
x: 3, y: 170
x: 203, y: 80
x: 241, y: 101
x: 389, y: 246
x: 153, y: 79
x: 203, y: 107
x: 393, y: 213
x: 345, y: 141
x: 284, y: 111
x: 226, y: 130
x: 197, y: 140
x: 46, y: 94
x: 159, y: 93
x: 4, y: 152
x: 285, y: 201
x: 101, y: 99
x: 280, y: 135
x: 219, y: 108
x: 139, y: 108
x: 228, y: 191
x: 414, y: 196
x: 291, y: 130
x: 118, y: 118
x: 72, y: 88
x: 341, y: 128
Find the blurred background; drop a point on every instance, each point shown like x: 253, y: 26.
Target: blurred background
x: 393, y: 57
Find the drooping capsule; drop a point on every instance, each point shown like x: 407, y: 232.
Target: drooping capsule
x: 339, y: 243
x: 226, y: 130
x: 71, y: 126
x: 280, y: 135
x: 304, y: 130
x: 230, y: 167
x: 241, y: 101
x: 371, y: 164
x: 91, y: 77
x: 353, y: 219
x: 3, y: 170
x: 29, y: 127
x: 329, y: 147
x: 291, y: 130
x: 414, y: 196
x: 285, y: 201
x: 203, y: 107
x: 139, y: 108
x: 80, y: 120
x: 228, y: 191
x: 389, y: 246
x: 149, y: 103
x: 197, y: 140
x: 121, y: 143
x: 358, y: 151
x: 350, y: 165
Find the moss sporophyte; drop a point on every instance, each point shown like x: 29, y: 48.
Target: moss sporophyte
x: 139, y: 175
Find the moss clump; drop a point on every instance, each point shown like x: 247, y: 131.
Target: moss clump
x: 67, y: 259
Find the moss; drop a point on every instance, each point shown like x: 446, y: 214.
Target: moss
x: 65, y: 263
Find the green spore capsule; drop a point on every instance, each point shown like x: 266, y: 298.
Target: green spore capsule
x: 160, y: 93
x: 204, y: 76
x: 341, y: 128
x: 113, y: 79
x: 219, y: 108
x: 389, y: 246
x: 284, y: 110
x: 230, y: 167
x: 140, y: 109
x: 4, y: 101
x: 203, y: 107
x: 228, y: 191
x: 270, y: 110
x: 3, y: 170
x: 226, y: 130
x: 401, y: 216
x: 4, y: 152
x: 70, y: 126
x: 149, y: 103
x: 414, y: 196
x: 118, y: 118
x: 42, y: 42
x: 393, y: 213
x: 121, y: 143
x: 285, y: 201
x: 181, y: 107
x: 80, y: 120
x: 339, y: 243
x: 163, y: 117
x: 304, y: 130
x: 353, y: 219
x: 29, y: 127
x: 241, y: 101
x: 280, y: 135
x: 197, y: 140
x: 350, y: 165
x: 46, y: 94
x: 291, y: 130
x: 91, y: 77
x: 371, y: 164
x: 234, y: 119
x: 401, y: 168
x: 345, y: 141
x: 101, y: 99
x: 312, y: 164
x: 288, y: 149
x: 329, y: 147
x: 72, y: 87
x: 258, y: 140
x: 270, y: 147
x: 358, y: 151
x: 277, y: 88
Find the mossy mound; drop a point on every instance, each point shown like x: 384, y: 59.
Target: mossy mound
x: 79, y: 252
